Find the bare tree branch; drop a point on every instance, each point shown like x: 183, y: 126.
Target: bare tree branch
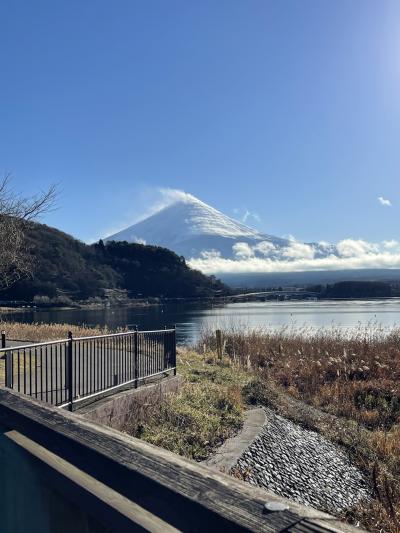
x: 15, y: 212
x: 39, y: 204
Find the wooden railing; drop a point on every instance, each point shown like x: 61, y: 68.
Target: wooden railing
x: 121, y: 484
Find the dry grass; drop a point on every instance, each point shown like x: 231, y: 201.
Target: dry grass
x: 354, y: 379
x: 357, y: 377
x: 207, y: 410
x: 38, y: 332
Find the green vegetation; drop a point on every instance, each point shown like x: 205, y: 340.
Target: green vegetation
x: 207, y: 410
x: 67, y: 270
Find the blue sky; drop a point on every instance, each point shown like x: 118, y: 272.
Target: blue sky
x: 289, y: 109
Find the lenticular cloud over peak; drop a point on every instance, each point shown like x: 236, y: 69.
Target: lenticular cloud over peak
x: 170, y: 196
x: 215, y: 243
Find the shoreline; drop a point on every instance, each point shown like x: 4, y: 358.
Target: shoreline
x: 151, y: 302
x: 30, y: 306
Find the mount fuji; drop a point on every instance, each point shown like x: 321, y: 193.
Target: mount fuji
x: 193, y: 229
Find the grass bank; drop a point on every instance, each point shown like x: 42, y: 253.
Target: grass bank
x: 207, y: 410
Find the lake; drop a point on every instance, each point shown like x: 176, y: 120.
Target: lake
x: 191, y: 318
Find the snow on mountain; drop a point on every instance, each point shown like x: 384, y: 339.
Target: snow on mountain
x: 194, y: 229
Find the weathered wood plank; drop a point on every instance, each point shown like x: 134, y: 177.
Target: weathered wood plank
x: 184, y: 494
x: 135, y: 516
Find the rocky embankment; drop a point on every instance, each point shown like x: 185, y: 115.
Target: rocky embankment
x: 303, y: 466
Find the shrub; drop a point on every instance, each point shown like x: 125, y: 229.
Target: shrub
x: 255, y: 392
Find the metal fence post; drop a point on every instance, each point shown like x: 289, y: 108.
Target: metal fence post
x: 218, y: 335
x: 136, y: 343
x: 9, y: 367
x: 6, y: 361
x: 165, y: 365
x: 68, y: 374
x: 174, y: 348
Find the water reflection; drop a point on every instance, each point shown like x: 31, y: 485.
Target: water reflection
x: 191, y: 318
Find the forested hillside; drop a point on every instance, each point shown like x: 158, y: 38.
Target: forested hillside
x: 358, y: 289
x: 66, y: 267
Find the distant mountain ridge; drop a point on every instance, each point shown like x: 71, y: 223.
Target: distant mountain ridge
x: 192, y: 228
x: 259, y: 280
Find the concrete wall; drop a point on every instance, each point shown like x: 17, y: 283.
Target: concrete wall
x: 130, y: 407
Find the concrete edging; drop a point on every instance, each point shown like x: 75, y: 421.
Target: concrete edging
x: 116, y: 411
x: 232, y: 449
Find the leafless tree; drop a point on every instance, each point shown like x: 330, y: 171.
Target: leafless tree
x: 16, y: 212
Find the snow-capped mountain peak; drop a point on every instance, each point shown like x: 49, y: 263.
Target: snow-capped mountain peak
x: 193, y: 228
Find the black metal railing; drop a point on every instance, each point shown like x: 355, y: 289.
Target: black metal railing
x: 67, y: 371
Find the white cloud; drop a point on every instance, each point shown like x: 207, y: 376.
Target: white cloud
x: 289, y: 237
x: 147, y: 202
x: 324, y: 244
x: 264, y: 247
x: 351, y: 254
x: 210, y: 254
x: 354, y: 247
x: 391, y: 245
x: 256, y: 264
x: 249, y: 214
x: 160, y: 198
x: 298, y: 250
x: 246, y: 214
x: 384, y: 201
x: 242, y: 250
x: 170, y: 196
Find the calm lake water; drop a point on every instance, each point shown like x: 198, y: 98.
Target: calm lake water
x: 191, y: 318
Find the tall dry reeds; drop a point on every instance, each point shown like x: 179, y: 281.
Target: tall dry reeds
x: 38, y: 332
x: 353, y: 375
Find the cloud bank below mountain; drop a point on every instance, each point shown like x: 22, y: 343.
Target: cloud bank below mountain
x: 351, y: 254
x: 216, y: 243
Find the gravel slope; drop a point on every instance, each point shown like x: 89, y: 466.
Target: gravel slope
x: 302, y: 465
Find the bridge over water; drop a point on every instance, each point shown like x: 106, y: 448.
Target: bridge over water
x: 269, y: 295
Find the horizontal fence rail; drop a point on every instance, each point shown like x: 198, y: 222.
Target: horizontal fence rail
x: 67, y: 371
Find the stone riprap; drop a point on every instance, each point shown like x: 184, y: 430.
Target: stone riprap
x: 301, y: 465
